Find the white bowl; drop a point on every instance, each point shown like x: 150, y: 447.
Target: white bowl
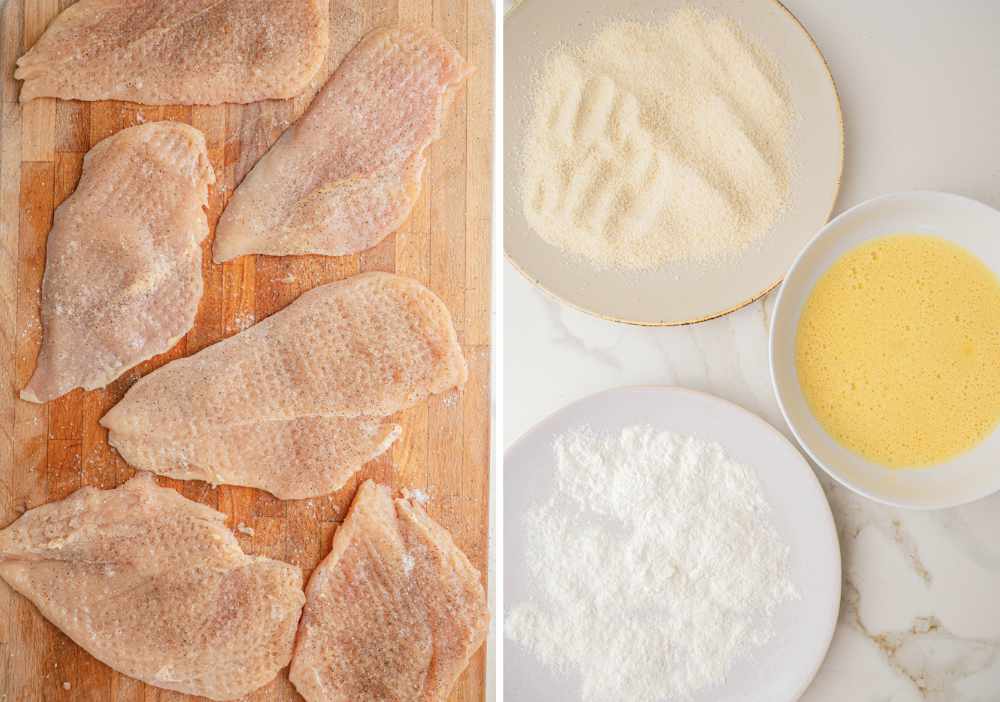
x: 968, y: 223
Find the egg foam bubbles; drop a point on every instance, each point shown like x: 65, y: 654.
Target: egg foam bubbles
x: 897, y: 350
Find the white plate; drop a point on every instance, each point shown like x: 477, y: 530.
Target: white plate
x: 781, y: 670
x: 968, y: 223
x: 677, y: 294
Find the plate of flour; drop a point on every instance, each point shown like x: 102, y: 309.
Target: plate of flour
x: 664, y: 161
x: 660, y: 545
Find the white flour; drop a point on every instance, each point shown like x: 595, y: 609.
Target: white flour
x: 656, y: 563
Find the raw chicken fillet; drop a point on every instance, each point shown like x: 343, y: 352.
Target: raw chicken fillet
x: 123, y: 260
x: 347, y: 174
x: 393, y: 613
x: 178, y: 52
x: 297, y: 403
x: 155, y: 586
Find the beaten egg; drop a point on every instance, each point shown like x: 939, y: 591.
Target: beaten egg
x: 897, y: 350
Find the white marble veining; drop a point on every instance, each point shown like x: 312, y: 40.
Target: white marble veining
x: 920, y: 86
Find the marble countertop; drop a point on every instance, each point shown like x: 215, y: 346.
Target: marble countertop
x: 920, y: 89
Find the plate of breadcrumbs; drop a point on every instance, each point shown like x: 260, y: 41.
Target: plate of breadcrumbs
x: 665, y: 162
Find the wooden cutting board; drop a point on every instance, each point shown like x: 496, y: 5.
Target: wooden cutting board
x: 48, y: 451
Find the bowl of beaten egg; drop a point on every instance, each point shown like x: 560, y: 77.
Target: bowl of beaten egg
x: 885, y: 349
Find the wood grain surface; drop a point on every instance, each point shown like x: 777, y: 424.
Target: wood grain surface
x: 48, y: 451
